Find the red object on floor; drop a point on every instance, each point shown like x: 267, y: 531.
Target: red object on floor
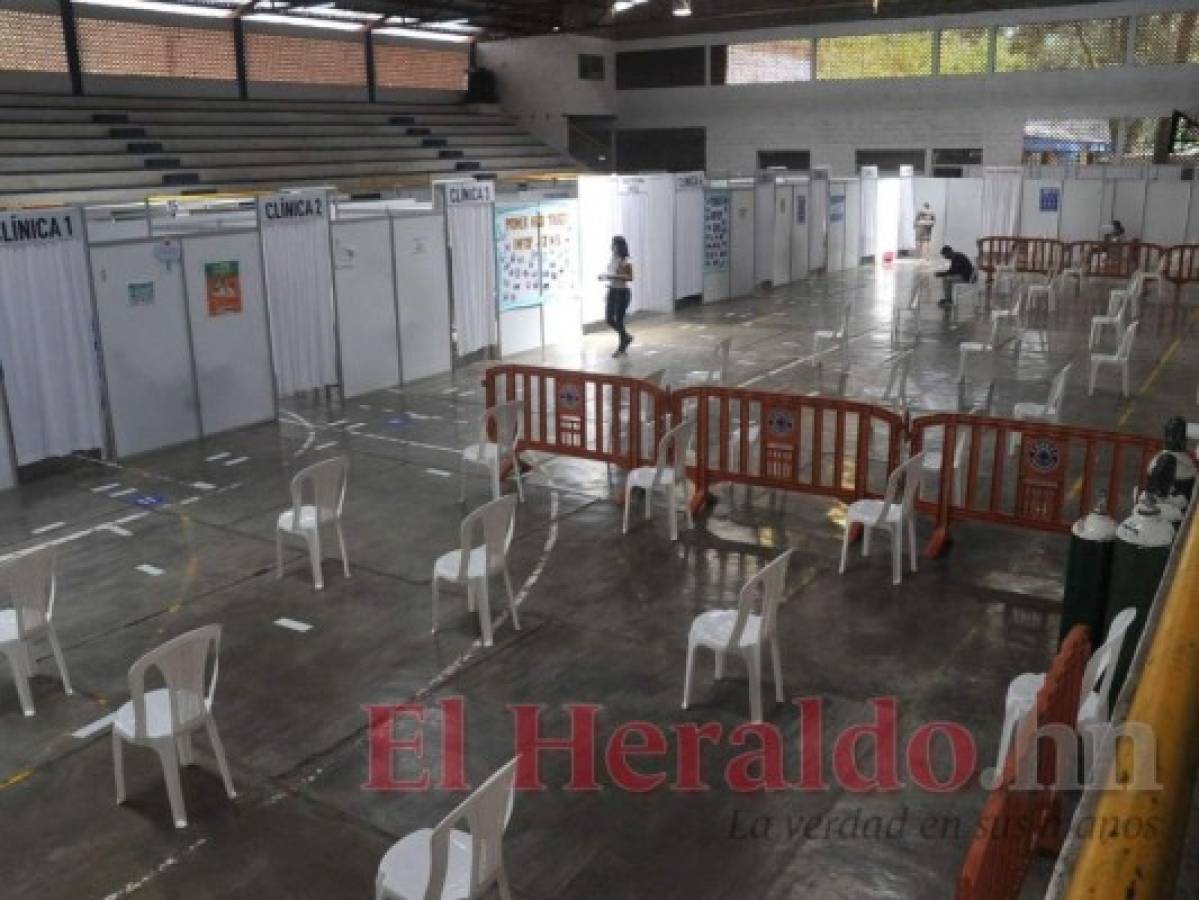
x: 888, y: 258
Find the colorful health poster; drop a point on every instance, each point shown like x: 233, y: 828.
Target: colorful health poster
x: 717, y: 205
x: 559, y: 249
x: 222, y: 287
x: 536, y: 252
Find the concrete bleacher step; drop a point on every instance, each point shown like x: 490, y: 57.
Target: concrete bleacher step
x: 120, y: 102
x: 72, y: 130
x: 218, y: 143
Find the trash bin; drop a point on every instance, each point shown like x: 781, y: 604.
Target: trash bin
x: 1088, y: 567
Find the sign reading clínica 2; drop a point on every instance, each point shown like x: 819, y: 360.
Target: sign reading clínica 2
x: 298, y: 207
x: 39, y: 226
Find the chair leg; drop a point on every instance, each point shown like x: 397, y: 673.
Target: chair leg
x: 673, y: 504
x: 719, y: 664
x: 496, y: 490
x: 501, y: 884
x: 687, y: 675
x: 485, y: 612
x: 867, y: 534
x: 313, y: 539
x: 520, y: 489
x: 910, y: 524
x: 56, y: 649
x: 511, y: 598
x: 345, y: 556
x: 218, y: 750
x: 896, y: 554
x: 777, y: 665
x: 462, y: 480
x: 753, y: 663
x: 1091, y: 385
x: 435, y: 591
x: 183, y: 747
x: 278, y: 553
x: 628, y: 501
x: 170, y: 773
x: 1124, y: 379
x: 20, y: 675
x: 118, y: 766
x: 845, y: 547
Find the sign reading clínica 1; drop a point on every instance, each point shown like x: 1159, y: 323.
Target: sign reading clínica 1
x: 469, y: 193
x: 39, y: 226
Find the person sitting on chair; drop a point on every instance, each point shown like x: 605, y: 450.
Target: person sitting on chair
x: 960, y: 271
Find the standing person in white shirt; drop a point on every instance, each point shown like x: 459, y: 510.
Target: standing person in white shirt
x: 619, y: 276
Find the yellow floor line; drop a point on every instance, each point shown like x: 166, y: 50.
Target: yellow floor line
x: 15, y: 779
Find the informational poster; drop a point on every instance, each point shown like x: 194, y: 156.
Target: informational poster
x: 836, y: 208
x: 801, y: 209
x: 536, y: 252
x: 141, y: 293
x: 717, y: 231
x: 1050, y: 199
x: 222, y: 287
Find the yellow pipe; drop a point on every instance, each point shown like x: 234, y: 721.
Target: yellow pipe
x: 1142, y: 863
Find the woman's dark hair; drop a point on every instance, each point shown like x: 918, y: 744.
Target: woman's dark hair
x: 1117, y: 225
x: 621, y: 246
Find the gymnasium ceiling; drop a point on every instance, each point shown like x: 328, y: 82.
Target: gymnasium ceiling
x: 646, y: 18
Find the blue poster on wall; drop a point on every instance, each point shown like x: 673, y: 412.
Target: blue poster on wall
x: 717, y: 226
x: 1050, y: 199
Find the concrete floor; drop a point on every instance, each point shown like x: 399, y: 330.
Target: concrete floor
x: 605, y: 620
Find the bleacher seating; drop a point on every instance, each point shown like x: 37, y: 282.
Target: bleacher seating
x: 96, y: 149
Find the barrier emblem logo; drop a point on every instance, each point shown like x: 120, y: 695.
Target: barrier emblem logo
x: 781, y: 423
x: 570, y: 396
x: 1044, y: 456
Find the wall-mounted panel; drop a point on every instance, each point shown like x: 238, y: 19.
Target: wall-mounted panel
x: 818, y: 207
x: 1129, y: 206
x: 661, y: 68
x: 853, y: 224
x: 1040, y: 208
x: 799, y: 231
x: 963, y: 214
x: 366, y: 305
x: 784, y: 213
x: 743, y: 242
x: 147, y: 360
x: 520, y: 330
x: 764, y: 218
x: 1167, y: 204
x: 1082, y: 210
x: 423, y: 293
x: 229, y: 332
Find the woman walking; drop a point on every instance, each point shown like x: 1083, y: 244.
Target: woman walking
x: 619, y: 276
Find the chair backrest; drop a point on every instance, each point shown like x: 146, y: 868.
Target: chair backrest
x: 325, y: 482
x: 502, y: 420
x: 769, y: 587
x: 28, y: 581
x: 497, y: 519
x: 843, y: 331
x: 182, y: 661
x: 993, y: 338
x: 655, y: 377
x: 486, y: 812
x: 918, y: 287
x: 673, y: 450
x: 1057, y: 390
x: 1125, y: 348
x: 720, y: 370
x: 1136, y: 284
x: 1101, y: 667
x: 1115, y: 302
x: 906, y: 476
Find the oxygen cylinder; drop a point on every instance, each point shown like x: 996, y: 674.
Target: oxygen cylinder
x: 1088, y: 567
x: 1139, y: 558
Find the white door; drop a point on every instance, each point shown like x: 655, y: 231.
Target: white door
x: 818, y: 225
x: 764, y: 231
x: 784, y: 203
x: 366, y: 305
x: 743, y: 254
x: 799, y: 231
x: 423, y: 294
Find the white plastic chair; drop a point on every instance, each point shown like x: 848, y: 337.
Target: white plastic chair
x: 912, y: 307
x: 973, y: 289
x: 1117, y: 308
x: 966, y: 349
x: 165, y: 718
x: 1076, y: 269
x: 446, y: 862
x: 30, y: 584
x: 1119, y: 359
x: 1049, y: 411
x: 893, y: 513
x: 1094, y: 708
x: 325, y: 483
x: 669, y: 474
x: 474, y: 564
x: 934, y: 458
x: 490, y: 455
x: 745, y: 632
x: 1007, y: 276
x: 1043, y: 291
x: 840, y: 337
x: 1155, y: 278
x: 897, y: 379
x: 719, y: 373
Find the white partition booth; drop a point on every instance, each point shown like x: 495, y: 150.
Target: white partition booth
x: 844, y: 224
x: 728, y: 238
x: 688, y: 235
x: 470, y: 221
x: 818, y: 194
x: 364, y: 277
x: 868, y: 209
x: 422, y: 295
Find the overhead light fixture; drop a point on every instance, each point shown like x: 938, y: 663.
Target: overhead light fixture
x: 625, y: 5
x: 304, y: 21
x: 425, y: 35
x: 681, y: 8
x: 179, y: 9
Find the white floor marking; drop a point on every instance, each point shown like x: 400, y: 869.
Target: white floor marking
x: 147, y: 569
x: 338, y: 422
x: 363, y: 406
x: 293, y: 625
x: 203, y: 486
x: 168, y: 863
x: 53, y: 526
x: 237, y: 461
x: 188, y: 501
x: 440, y: 473
x: 105, y: 488
x: 325, y: 446
x: 95, y: 727
x: 224, y: 454
x: 115, y: 529
x: 124, y: 493
x: 132, y: 517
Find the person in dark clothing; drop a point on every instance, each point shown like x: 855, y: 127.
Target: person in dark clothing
x: 619, y: 276
x: 960, y: 271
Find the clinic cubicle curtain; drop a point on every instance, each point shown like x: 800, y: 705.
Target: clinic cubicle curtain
x: 1001, y: 200
x: 472, y: 268
x: 47, y: 348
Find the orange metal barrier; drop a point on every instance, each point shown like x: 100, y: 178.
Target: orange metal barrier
x: 1031, y: 254
x: 1032, y: 475
x: 1114, y: 259
x: 1181, y: 265
x: 1017, y: 823
x: 813, y: 445
x: 584, y: 414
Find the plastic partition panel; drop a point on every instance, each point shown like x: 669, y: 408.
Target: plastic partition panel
x: 1129, y: 206
x: 784, y: 214
x: 1193, y: 218
x: 8, y: 472
x: 743, y: 255
x: 1166, y: 206
x: 837, y: 203
x: 520, y: 330
x: 688, y: 243
x: 799, y: 231
x: 764, y: 193
x: 147, y: 360
x: 963, y: 214
x: 423, y: 292
x: 599, y: 217
x: 931, y: 191
x: 853, y: 225
x: 366, y: 305
x: 1040, y: 208
x: 1082, y: 210
x: 718, y: 279
x: 817, y: 224
x: 101, y: 230
x: 869, y: 212
x: 232, y: 348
